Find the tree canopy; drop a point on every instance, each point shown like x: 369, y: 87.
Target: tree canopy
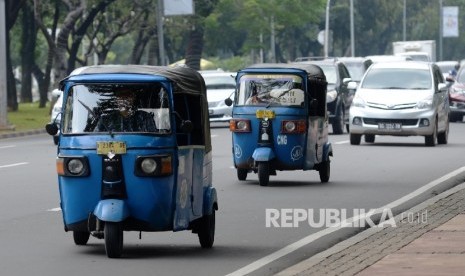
x: 49, y: 38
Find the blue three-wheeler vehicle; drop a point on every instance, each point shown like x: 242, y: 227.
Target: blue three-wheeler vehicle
x: 280, y: 121
x: 134, y: 154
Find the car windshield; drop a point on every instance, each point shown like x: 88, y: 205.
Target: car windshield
x: 330, y: 73
x: 397, y: 78
x: 219, y: 81
x: 356, y: 70
x: 116, y: 108
x: 271, y: 89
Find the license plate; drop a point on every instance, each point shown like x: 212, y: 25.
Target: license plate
x: 390, y: 126
x: 106, y: 147
x: 260, y: 114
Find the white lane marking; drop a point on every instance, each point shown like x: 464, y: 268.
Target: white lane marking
x: 57, y: 209
x: 13, y: 165
x: 214, y: 135
x: 311, y: 238
x: 6, y: 147
x: 341, y: 142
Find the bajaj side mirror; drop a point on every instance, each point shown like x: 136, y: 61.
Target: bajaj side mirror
x: 51, y: 128
x: 228, y: 102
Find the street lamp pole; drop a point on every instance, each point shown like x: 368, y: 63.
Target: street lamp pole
x: 3, y: 70
x: 327, y: 28
x: 404, y: 19
x: 161, y: 41
x: 352, y: 35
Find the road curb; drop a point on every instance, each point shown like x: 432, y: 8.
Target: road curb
x: 21, y: 133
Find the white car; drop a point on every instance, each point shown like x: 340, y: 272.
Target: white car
x: 56, y: 112
x: 401, y: 99
x: 220, y: 86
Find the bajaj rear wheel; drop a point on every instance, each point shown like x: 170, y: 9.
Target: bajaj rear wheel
x: 263, y: 173
x: 81, y: 237
x: 325, y: 171
x: 206, y: 231
x: 113, y: 234
x: 242, y: 174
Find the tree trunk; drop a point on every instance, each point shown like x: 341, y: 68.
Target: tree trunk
x: 12, y: 8
x: 194, y: 48
x: 28, y: 39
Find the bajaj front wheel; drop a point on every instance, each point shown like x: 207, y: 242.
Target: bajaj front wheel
x: 113, y: 234
x: 206, y: 230
x: 263, y: 173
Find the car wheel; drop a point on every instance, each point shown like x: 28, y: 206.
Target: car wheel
x: 455, y: 117
x: 355, y: 139
x: 242, y: 174
x: 338, y: 123
x: 81, y: 237
x: 55, y: 139
x: 263, y: 173
x: 443, y: 137
x: 370, y: 138
x: 430, y: 140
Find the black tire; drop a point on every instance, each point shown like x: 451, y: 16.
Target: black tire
x: 355, y: 139
x: 456, y: 117
x: 113, y: 233
x: 369, y: 138
x: 263, y: 173
x: 430, y: 140
x: 242, y: 174
x: 80, y: 237
x: 325, y: 171
x: 55, y: 139
x: 443, y: 137
x: 206, y: 230
x: 338, y: 123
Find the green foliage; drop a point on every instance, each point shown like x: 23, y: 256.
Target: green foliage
x: 29, y: 116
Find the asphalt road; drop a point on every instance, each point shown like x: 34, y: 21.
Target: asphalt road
x: 362, y: 177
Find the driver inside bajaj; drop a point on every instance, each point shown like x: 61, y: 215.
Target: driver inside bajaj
x: 125, y: 116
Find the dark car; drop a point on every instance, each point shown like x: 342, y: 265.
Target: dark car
x: 457, y: 96
x: 338, y: 96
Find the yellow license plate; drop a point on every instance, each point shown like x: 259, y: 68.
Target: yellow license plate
x: 265, y: 114
x: 107, y: 147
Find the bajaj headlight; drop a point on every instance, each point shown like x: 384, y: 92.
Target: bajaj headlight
x: 331, y: 96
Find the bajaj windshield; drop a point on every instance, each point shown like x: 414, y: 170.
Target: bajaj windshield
x: 117, y: 108
x: 271, y: 90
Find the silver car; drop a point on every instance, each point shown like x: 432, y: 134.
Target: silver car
x: 401, y: 99
x: 220, y: 86
x: 56, y: 112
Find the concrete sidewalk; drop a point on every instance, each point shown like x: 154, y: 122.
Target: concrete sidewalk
x: 428, y: 239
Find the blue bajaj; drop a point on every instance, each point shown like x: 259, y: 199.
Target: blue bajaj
x: 279, y: 121
x: 134, y: 154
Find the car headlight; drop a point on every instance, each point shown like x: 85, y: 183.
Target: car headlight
x: 425, y: 103
x: 458, y: 91
x: 331, y: 96
x: 358, y: 101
